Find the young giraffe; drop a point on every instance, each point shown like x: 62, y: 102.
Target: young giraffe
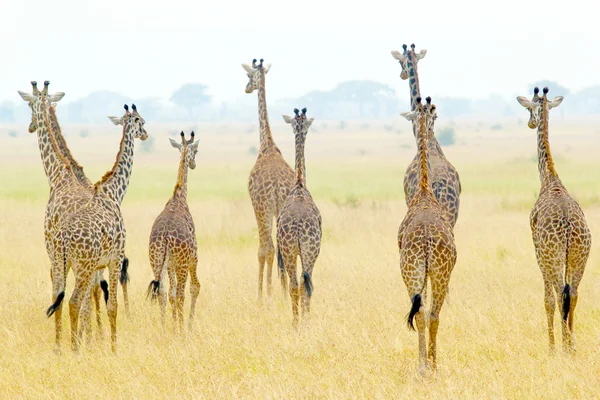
x: 173, y: 248
x: 442, y: 174
x: 299, y: 225
x: 561, y: 236
x: 426, y: 244
x: 94, y: 237
x: 271, y: 178
x: 99, y: 282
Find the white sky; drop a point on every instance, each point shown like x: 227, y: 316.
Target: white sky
x: 145, y: 48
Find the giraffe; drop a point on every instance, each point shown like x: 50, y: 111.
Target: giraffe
x: 173, y: 248
x: 299, y: 225
x: 271, y: 177
x: 94, y: 237
x: 444, y: 178
x: 100, y: 283
x: 426, y: 244
x: 561, y: 236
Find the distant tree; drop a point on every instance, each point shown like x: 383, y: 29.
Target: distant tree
x: 362, y: 93
x: 191, y: 96
x: 446, y: 137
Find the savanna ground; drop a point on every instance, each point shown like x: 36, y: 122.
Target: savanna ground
x: 492, y: 339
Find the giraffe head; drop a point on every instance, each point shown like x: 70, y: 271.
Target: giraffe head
x: 133, y: 122
x: 408, y: 59
x: 38, y: 99
x: 300, y: 123
x: 187, y: 148
x: 424, y: 115
x: 538, y: 105
x: 255, y: 72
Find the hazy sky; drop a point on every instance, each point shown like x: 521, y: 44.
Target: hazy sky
x: 145, y: 48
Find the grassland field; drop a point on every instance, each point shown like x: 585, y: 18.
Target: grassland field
x: 492, y: 341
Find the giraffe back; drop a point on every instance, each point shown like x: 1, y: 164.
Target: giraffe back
x: 559, y: 230
x: 270, y: 182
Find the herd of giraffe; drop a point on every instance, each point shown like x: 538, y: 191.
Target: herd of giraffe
x: 85, y: 232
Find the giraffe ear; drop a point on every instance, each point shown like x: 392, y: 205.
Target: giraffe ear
x: 421, y: 54
x: 397, y: 55
x: 267, y: 67
x: 555, y: 102
x: 175, y: 144
x: 248, y: 68
x: 524, y: 101
x: 194, y: 146
x: 309, y: 122
x: 409, y: 115
x: 56, y: 96
x: 116, y: 120
x: 26, y: 96
x: 287, y: 119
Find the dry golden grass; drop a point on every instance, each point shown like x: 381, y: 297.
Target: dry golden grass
x: 492, y: 337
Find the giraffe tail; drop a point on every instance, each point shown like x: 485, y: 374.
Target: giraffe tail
x: 566, y: 294
x: 124, y: 274
x: 154, y: 287
x: 153, y: 290
x: 104, y: 287
x: 416, y: 306
x: 307, y: 283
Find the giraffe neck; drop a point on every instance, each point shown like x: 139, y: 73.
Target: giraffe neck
x: 114, y: 183
x: 545, y: 162
x: 415, y: 89
x: 64, y: 149
x: 300, y: 165
x: 266, y: 140
x: 52, y: 159
x: 422, y: 149
x: 180, y: 191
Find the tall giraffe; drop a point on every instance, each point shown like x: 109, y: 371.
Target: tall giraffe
x: 271, y: 178
x: 443, y: 176
x: 561, y: 236
x: 299, y: 225
x: 94, y: 236
x: 100, y: 283
x: 426, y: 244
x: 173, y: 248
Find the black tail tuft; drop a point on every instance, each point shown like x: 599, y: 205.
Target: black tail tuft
x: 153, y: 290
x: 280, y: 262
x: 416, y: 305
x: 104, y: 287
x: 566, y: 301
x: 56, y: 304
x: 308, y: 283
x: 124, y: 275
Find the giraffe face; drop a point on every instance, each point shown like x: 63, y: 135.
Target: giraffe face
x: 300, y: 123
x: 133, y: 121
x: 408, y: 60
x: 36, y: 101
x: 422, y: 114
x: 188, y: 149
x: 538, y: 105
x: 254, y: 74
x: 430, y: 116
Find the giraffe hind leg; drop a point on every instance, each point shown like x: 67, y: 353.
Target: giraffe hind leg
x: 124, y: 279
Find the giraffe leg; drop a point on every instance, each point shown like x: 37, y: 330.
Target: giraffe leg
x: 181, y: 281
x: 85, y: 315
x: 57, y: 273
x: 415, y: 279
x: 559, y: 287
x: 438, y: 294
x: 82, y: 282
x: 308, y: 263
x: 114, y: 271
x: 194, y: 291
x: 97, y: 294
x: 173, y: 292
x: 550, y: 304
x: 290, y: 266
x: 266, y: 250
